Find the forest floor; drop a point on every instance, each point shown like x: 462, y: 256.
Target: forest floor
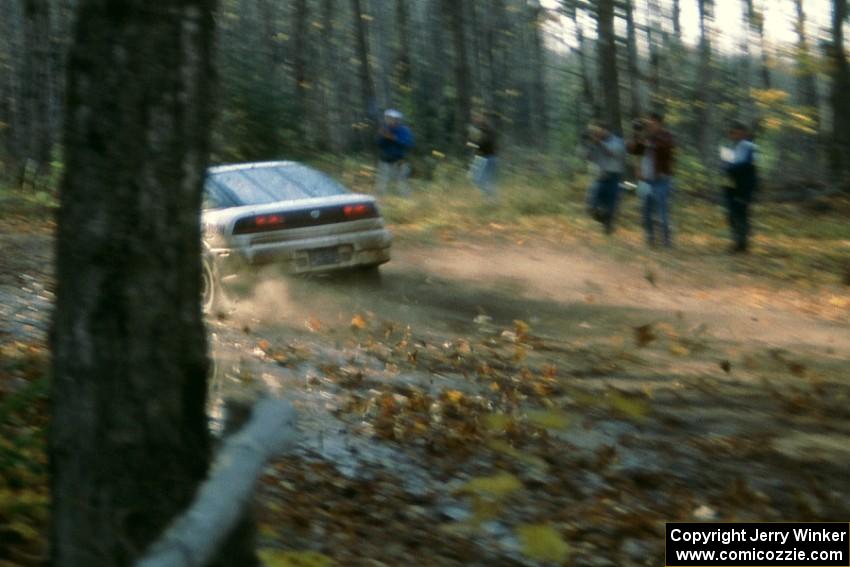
x: 516, y: 388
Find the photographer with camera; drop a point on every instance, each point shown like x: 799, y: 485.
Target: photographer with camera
x: 654, y: 143
x: 607, y: 151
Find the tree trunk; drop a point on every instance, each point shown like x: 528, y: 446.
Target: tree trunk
x: 840, y: 73
x: 299, y: 64
x: 607, y: 62
x: 37, y: 84
x: 538, y: 86
x: 367, y: 88
x: 677, y: 21
x: 807, y: 91
x: 129, y: 442
x: 634, y: 71
x: 403, y: 70
x: 702, y: 95
x: 454, y: 10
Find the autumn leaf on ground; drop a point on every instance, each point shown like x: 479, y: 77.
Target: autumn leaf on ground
x: 280, y: 558
x: 726, y: 366
x: 649, y: 275
x: 497, y: 421
x: 542, y: 542
x: 498, y: 485
x: 522, y: 329
x: 359, y: 322
x: 507, y: 449
x: 549, y: 419
x: 630, y: 407
x: 313, y: 324
x: 644, y: 335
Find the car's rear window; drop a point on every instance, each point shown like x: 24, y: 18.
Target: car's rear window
x: 262, y: 185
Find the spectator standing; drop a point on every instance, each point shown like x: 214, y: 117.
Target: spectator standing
x: 654, y: 144
x: 394, y: 141
x: 608, y: 152
x: 739, y: 164
x: 483, y: 168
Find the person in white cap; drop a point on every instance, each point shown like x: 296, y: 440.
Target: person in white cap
x: 394, y: 141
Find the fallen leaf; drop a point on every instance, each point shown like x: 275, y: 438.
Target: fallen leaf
x: 549, y: 419
x: 542, y: 542
x: 280, y: 558
x: 358, y: 322
x: 498, y: 485
x: 644, y: 335
x: 630, y: 407
x: 726, y: 366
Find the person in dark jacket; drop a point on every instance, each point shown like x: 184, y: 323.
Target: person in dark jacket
x: 483, y: 168
x: 654, y: 144
x: 394, y: 141
x: 739, y: 164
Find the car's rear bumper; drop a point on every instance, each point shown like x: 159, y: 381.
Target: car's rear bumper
x: 336, y: 252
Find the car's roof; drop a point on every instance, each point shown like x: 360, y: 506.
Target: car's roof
x: 253, y: 165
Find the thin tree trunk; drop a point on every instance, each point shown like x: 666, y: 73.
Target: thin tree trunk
x: 702, y: 89
x: 403, y: 69
x: 300, y: 15
x: 539, y: 113
x: 840, y: 72
x: 454, y: 10
x: 129, y: 441
x: 37, y: 83
x: 634, y: 71
x: 607, y: 63
x: 367, y: 88
x: 677, y: 21
x: 807, y: 90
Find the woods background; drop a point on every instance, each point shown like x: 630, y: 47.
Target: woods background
x: 308, y: 78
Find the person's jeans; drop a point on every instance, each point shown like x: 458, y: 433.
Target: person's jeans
x: 603, y: 199
x: 390, y: 173
x: 483, y: 173
x: 738, y: 211
x: 657, y: 204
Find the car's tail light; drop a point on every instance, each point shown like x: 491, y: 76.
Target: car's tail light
x: 259, y: 223
x: 360, y: 211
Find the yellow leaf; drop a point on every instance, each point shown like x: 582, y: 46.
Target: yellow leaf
x: 505, y: 448
x: 498, y: 485
x: 496, y: 421
x: 542, y: 542
x: 630, y: 407
x: 454, y: 396
x: 521, y: 328
x: 280, y: 558
x: 358, y: 322
x: 679, y: 349
x: 549, y: 419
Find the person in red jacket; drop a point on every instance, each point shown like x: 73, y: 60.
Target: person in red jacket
x: 654, y: 143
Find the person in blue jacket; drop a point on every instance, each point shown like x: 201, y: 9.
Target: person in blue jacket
x: 740, y: 165
x: 394, y: 141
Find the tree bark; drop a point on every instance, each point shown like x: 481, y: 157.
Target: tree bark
x: 807, y: 92
x: 607, y: 62
x: 702, y: 94
x: 454, y: 10
x: 367, y: 88
x: 634, y: 71
x: 129, y: 442
x: 300, y: 16
x: 541, y: 121
x: 37, y: 84
x: 840, y: 73
x: 403, y: 68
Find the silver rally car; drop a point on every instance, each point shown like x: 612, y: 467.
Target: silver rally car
x: 286, y: 214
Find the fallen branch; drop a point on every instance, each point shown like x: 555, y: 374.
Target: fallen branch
x: 194, y: 537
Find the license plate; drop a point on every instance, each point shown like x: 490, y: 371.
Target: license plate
x: 324, y: 256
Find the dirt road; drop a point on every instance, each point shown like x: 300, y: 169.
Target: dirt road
x: 617, y: 394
